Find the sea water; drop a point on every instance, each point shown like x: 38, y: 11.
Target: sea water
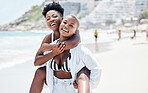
x: 17, y: 47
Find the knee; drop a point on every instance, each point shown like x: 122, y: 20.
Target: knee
x: 40, y: 73
x: 82, y: 77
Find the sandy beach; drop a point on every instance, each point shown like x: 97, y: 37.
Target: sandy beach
x: 124, y: 66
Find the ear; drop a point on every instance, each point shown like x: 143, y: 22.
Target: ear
x: 76, y: 31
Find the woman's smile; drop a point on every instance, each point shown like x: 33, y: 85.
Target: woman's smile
x: 64, y: 30
x: 53, y: 24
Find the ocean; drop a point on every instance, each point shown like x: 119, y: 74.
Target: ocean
x: 17, y: 47
x: 119, y: 59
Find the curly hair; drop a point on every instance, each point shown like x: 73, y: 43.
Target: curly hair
x: 53, y: 6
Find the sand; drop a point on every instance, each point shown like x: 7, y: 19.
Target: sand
x: 124, y: 66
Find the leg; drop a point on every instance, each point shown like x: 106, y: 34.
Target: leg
x: 38, y: 81
x: 83, y: 77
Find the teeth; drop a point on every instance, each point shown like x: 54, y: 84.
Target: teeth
x: 65, y: 30
x: 53, y: 24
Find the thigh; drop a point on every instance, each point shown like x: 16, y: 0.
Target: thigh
x: 38, y: 80
x: 41, y: 73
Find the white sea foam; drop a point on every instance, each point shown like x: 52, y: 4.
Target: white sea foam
x: 18, y: 48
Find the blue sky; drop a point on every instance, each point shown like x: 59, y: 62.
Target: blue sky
x: 12, y: 9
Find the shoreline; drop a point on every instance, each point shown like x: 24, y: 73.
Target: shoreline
x: 95, y: 47
x: 124, y: 64
x: 99, y: 47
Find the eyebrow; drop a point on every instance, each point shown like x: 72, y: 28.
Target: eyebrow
x: 51, y: 15
x: 72, y: 23
x: 47, y: 16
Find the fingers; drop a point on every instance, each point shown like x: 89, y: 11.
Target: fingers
x: 58, y: 44
x: 61, y: 47
x: 75, y: 85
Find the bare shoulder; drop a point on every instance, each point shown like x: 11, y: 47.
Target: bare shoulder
x: 47, y: 39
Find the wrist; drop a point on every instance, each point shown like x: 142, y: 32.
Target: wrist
x: 54, y: 53
x: 52, y: 46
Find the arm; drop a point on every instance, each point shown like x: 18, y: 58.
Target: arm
x: 40, y: 58
x: 47, y: 47
x: 72, y: 42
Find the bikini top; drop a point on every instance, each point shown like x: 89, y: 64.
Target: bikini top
x: 65, y: 67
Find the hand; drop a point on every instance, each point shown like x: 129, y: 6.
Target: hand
x: 75, y: 85
x: 46, y: 47
x: 58, y: 48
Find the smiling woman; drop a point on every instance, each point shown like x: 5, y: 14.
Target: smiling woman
x: 53, y: 13
x: 13, y: 6
x: 69, y: 26
x: 53, y: 19
x: 72, y: 61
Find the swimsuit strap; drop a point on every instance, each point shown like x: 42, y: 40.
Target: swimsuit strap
x: 52, y: 37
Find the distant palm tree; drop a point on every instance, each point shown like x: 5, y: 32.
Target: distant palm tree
x: 143, y: 15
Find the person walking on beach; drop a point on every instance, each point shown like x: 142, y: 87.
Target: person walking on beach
x: 147, y: 33
x: 62, y: 69
x: 119, y: 34
x: 134, y: 34
x: 53, y: 13
x: 96, y: 34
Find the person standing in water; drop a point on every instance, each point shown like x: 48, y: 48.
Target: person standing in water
x: 96, y: 34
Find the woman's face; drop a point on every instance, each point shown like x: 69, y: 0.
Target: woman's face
x: 53, y: 19
x: 68, y: 26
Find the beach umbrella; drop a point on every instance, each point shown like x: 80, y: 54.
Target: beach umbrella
x: 128, y: 25
x: 142, y: 27
x: 144, y: 21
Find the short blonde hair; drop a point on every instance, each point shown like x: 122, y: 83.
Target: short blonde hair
x: 76, y: 20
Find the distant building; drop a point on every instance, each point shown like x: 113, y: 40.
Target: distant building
x: 141, y: 5
x: 90, y: 5
x: 111, y: 10
x: 70, y: 7
x: 86, y: 6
